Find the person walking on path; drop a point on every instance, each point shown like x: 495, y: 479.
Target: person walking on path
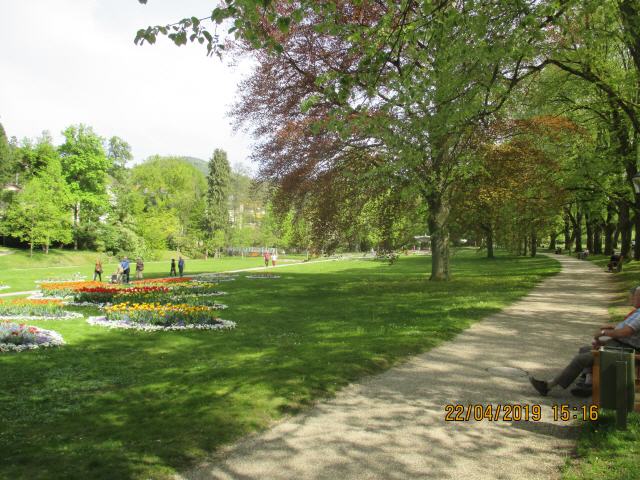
x: 97, y: 271
x: 181, y: 265
x: 139, y: 268
x: 173, y: 273
x: 274, y: 258
x: 625, y: 334
x: 126, y: 269
x: 267, y: 257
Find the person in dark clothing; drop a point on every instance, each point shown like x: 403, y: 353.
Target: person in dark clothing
x: 173, y: 268
x: 126, y: 269
x: 181, y: 265
x: 625, y: 334
x: 614, y: 260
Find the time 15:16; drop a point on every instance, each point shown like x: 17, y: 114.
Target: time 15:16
x: 564, y: 412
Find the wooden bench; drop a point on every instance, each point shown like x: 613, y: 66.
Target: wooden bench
x: 618, y: 267
x: 596, y: 380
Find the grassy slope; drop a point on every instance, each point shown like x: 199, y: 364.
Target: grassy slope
x: 119, y: 404
x: 603, y: 452
x: 19, y: 271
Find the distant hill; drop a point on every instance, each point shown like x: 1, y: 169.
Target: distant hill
x: 200, y: 164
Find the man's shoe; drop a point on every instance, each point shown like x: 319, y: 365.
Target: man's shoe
x: 582, y: 392
x: 540, y: 385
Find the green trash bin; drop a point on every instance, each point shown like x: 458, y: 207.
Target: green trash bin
x: 609, y: 358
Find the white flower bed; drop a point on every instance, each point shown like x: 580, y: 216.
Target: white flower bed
x: 263, y: 276
x: 40, y: 296
x: 63, y: 316
x: 4, y: 287
x: 39, y: 339
x: 103, y: 322
x: 214, y: 277
x: 77, y: 277
x: 187, y: 295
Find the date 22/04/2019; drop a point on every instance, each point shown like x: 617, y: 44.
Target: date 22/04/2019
x: 517, y: 412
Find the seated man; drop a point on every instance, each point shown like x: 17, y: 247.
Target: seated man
x: 625, y: 334
x: 613, y: 262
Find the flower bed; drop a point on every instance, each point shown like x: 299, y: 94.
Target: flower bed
x: 161, y: 314
x: 4, y: 287
x: 162, y: 281
x: 195, y: 288
x: 214, y: 277
x: 127, y: 324
x: 263, y: 275
x: 100, y: 293
x: 156, y: 316
x: 76, y: 277
x: 34, y: 309
x: 16, y: 337
x: 116, y: 293
x: 64, y: 289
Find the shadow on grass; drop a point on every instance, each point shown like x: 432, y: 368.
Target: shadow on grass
x: 122, y: 404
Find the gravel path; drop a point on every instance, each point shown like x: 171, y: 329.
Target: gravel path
x: 392, y: 426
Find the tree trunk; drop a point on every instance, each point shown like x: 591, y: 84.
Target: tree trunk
x: 636, y: 222
x: 552, y: 241
x: 624, y: 227
x: 438, y: 215
x: 534, y: 243
x: 525, y: 248
x: 488, y: 231
x: 609, y: 228
x: 597, y: 238
x: 577, y: 230
x: 31, y: 249
x: 567, y: 235
x: 76, y: 222
x: 588, y: 220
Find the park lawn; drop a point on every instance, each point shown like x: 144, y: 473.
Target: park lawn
x: 122, y: 404
x: 20, y: 271
x: 604, y: 453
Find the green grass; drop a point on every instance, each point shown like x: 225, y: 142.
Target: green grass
x: 122, y: 404
x: 603, y: 453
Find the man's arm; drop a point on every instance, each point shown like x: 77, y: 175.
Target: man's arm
x: 623, y: 332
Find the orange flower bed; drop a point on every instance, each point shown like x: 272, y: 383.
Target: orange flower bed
x: 62, y: 289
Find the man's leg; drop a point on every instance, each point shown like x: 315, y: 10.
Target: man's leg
x: 583, y: 360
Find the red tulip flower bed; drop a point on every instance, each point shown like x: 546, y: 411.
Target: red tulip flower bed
x: 106, y: 293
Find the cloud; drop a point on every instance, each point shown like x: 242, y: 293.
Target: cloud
x: 74, y: 61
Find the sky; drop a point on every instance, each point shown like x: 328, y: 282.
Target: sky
x: 65, y: 62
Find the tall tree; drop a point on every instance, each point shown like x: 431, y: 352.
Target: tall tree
x: 85, y: 166
x: 218, y: 182
x: 39, y: 215
x: 119, y: 153
x: 6, y: 158
x: 167, y: 198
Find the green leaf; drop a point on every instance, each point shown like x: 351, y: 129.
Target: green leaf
x: 283, y: 24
